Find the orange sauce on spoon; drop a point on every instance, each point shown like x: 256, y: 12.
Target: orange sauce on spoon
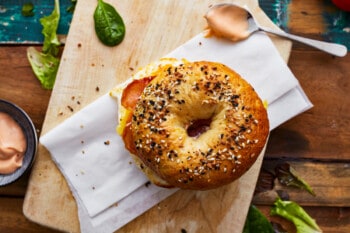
x: 228, y: 21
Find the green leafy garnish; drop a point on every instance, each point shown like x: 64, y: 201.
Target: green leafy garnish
x: 50, y: 25
x: 45, y: 64
x: 296, y: 214
x: 286, y: 175
x: 256, y: 222
x: 28, y: 9
x: 44, y: 67
x: 109, y: 25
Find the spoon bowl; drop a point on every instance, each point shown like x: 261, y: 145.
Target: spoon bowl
x: 236, y: 23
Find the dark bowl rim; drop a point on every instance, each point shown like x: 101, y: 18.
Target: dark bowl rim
x: 31, y: 137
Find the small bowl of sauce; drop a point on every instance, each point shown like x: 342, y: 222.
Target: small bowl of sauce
x: 18, y: 142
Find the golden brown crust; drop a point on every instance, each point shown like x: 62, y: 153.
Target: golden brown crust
x: 233, y: 125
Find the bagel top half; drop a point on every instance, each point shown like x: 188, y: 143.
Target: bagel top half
x: 192, y: 125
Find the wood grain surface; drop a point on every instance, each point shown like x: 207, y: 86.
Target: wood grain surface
x: 323, y: 77
x: 304, y: 62
x: 87, y: 70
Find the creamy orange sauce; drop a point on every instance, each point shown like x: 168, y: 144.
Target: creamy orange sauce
x: 13, y: 144
x: 228, y: 21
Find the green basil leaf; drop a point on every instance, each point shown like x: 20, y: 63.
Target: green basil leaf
x: 109, y: 25
x: 28, y: 9
x: 50, y: 25
x: 256, y: 222
x: 45, y: 67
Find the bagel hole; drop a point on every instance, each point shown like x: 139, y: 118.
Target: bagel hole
x: 198, y: 127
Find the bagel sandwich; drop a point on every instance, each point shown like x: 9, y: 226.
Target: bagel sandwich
x: 191, y: 125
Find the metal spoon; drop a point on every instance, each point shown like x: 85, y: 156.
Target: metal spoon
x: 253, y: 26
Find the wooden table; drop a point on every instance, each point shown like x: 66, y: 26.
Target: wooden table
x: 316, y: 143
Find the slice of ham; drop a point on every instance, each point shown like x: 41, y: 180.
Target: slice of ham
x: 131, y: 94
x: 130, y: 97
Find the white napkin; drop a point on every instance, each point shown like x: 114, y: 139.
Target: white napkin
x: 110, y: 191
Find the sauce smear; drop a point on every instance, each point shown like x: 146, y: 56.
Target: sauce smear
x: 13, y: 144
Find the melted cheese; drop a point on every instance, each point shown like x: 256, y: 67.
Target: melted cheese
x: 150, y: 70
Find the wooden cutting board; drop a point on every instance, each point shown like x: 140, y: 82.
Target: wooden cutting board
x: 88, y: 70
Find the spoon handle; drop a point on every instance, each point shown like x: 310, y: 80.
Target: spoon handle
x: 331, y: 48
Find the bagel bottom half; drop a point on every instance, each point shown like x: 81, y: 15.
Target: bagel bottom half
x: 191, y: 125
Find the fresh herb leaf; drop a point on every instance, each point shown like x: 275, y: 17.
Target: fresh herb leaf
x: 45, y: 64
x: 256, y: 222
x: 45, y: 67
x: 50, y: 25
x: 296, y: 214
x: 28, y: 9
x: 286, y: 175
x: 109, y: 25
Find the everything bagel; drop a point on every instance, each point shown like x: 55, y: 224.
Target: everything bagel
x: 192, y: 125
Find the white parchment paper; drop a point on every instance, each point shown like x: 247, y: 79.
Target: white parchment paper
x: 110, y: 191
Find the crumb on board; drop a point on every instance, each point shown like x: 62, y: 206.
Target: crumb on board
x: 97, y: 89
x: 70, y: 108
x: 107, y: 142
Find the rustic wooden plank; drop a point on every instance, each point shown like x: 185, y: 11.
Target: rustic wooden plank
x: 330, y: 182
x: 314, y: 19
x: 83, y: 68
x: 323, y: 132
x: 18, y: 29
x: 306, y: 11
x: 302, y: 64
x: 19, y: 85
x: 330, y: 219
x: 13, y: 220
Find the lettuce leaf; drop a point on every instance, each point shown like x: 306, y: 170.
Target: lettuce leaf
x: 296, y: 214
x: 45, y: 64
x: 50, y: 25
x: 45, y: 67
